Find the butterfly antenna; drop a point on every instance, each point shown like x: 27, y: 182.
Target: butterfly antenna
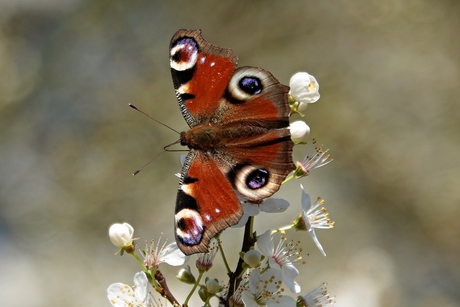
x: 166, y: 148
x: 135, y: 108
x: 138, y: 171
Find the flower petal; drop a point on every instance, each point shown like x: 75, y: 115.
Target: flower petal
x: 250, y: 209
x: 172, y: 255
x: 141, y: 289
x: 274, y: 205
x: 270, y: 279
x: 318, y: 297
x: 290, y: 282
x: 312, y: 234
x: 299, y: 131
x: 254, y: 281
x: 306, y: 210
x: 304, y: 89
x: 248, y: 299
x: 306, y: 201
x: 285, y: 301
x: 121, y: 234
x: 265, y: 244
x: 291, y: 270
x: 243, y: 220
x: 265, y: 290
x: 120, y: 295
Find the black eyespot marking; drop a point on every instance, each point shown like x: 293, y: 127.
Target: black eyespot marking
x: 181, y: 224
x: 250, y: 85
x: 257, y: 179
x: 183, y: 54
x: 185, y: 41
x: 176, y: 56
x: 189, y: 227
x: 188, y: 48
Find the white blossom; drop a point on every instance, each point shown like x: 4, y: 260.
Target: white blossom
x: 266, y: 290
x: 170, y: 254
x: 212, y: 286
x: 299, y: 131
x: 314, y: 158
x: 122, y: 295
x: 315, y: 216
x: 318, y: 297
x: 281, y: 258
x: 236, y: 299
x: 252, y: 258
x: 304, y: 89
x: 205, y: 260
x: 121, y: 235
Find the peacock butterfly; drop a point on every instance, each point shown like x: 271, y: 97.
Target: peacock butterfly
x: 238, y: 139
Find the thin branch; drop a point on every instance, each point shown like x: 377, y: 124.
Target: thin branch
x: 222, y: 253
x: 249, y: 240
x: 165, y: 290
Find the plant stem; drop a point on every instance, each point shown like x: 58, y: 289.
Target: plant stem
x: 282, y: 229
x: 164, y: 290
x: 139, y: 260
x: 194, y: 288
x: 289, y: 178
x: 248, y: 242
x: 222, y: 253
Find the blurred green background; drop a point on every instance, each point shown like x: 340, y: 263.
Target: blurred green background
x: 389, y: 73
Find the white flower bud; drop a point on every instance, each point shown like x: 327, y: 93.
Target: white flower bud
x: 304, y: 89
x: 212, y: 286
x: 121, y: 235
x: 252, y: 258
x: 185, y: 275
x: 299, y: 131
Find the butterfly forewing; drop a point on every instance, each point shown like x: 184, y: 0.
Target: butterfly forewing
x: 200, y: 73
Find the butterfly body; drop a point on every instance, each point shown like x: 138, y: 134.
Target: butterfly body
x: 238, y: 139
x: 212, y: 138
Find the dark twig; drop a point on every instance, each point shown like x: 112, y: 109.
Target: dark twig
x: 248, y: 241
x: 165, y: 290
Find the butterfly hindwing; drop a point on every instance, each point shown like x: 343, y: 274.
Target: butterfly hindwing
x: 261, y: 165
x: 205, y: 205
x: 253, y: 95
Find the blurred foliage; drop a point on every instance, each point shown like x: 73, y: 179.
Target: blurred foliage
x: 389, y: 74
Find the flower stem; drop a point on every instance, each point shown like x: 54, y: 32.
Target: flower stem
x: 222, y: 253
x: 282, y: 229
x: 139, y: 260
x: 251, y: 228
x: 194, y: 287
x: 288, y: 178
